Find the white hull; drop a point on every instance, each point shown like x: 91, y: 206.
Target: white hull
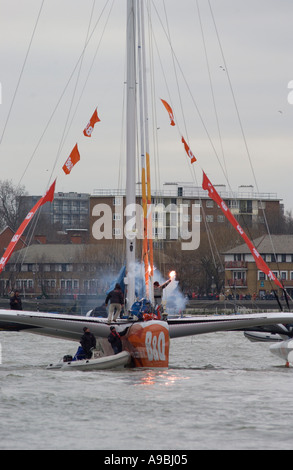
x: 260, y: 337
x: 284, y: 350
x: 101, y: 363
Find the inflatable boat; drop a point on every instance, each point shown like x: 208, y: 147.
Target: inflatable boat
x: 97, y: 363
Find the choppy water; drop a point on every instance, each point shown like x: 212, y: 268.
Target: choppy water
x: 220, y: 392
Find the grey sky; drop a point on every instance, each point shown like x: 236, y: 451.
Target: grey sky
x: 256, y: 37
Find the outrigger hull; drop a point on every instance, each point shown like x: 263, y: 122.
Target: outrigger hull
x: 147, y: 342
x: 70, y: 326
x: 284, y: 350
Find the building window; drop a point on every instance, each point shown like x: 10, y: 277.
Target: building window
x: 209, y: 218
x: 284, y: 275
x: 210, y: 204
x: 233, y: 204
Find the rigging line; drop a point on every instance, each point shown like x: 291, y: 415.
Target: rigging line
x: 215, y: 108
x: 89, y: 72
x: 190, y: 167
x: 168, y: 91
x: 175, y: 70
x: 191, y: 95
x: 63, y: 93
x: 122, y: 138
x: 63, y: 138
x: 21, y: 72
x: 240, y: 122
x: 153, y: 101
x: 90, y: 69
x: 212, y: 88
x: 196, y: 106
x: 232, y: 92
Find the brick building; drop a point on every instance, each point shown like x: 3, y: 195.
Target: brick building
x: 242, y: 275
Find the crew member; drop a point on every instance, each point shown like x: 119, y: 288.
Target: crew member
x: 88, y: 342
x: 114, y: 339
x: 158, y: 291
x: 15, y: 301
x: 116, y: 299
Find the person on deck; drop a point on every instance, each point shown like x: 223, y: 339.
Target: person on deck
x: 158, y: 291
x: 116, y: 299
x: 15, y: 301
x: 88, y: 342
x: 114, y: 339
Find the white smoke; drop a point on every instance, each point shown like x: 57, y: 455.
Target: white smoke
x: 173, y: 298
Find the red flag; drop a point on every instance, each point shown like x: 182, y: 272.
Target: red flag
x: 261, y: 264
x: 91, y: 124
x: 73, y: 158
x: 48, y: 197
x: 188, y: 151
x: 170, y: 111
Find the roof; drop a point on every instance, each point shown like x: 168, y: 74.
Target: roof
x: 274, y: 244
x: 58, y: 253
x: 73, y: 254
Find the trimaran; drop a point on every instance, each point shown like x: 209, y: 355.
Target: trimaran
x: 148, y: 341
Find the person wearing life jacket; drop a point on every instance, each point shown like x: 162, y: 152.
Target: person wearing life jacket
x: 114, y: 339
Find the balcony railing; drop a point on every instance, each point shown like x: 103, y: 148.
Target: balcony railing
x: 236, y: 265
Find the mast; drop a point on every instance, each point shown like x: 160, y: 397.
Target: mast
x: 147, y: 254
x: 148, y: 174
x: 136, y: 37
x: 145, y: 257
x: 130, y: 150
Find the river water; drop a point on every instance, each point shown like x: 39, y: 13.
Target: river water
x: 220, y: 392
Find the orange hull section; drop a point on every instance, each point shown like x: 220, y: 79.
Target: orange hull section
x: 148, y: 342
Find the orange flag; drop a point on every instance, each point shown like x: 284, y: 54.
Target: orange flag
x: 73, y: 158
x: 188, y: 151
x: 90, y: 126
x: 49, y: 196
x: 170, y: 112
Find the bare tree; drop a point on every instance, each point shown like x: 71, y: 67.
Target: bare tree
x: 10, y: 204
